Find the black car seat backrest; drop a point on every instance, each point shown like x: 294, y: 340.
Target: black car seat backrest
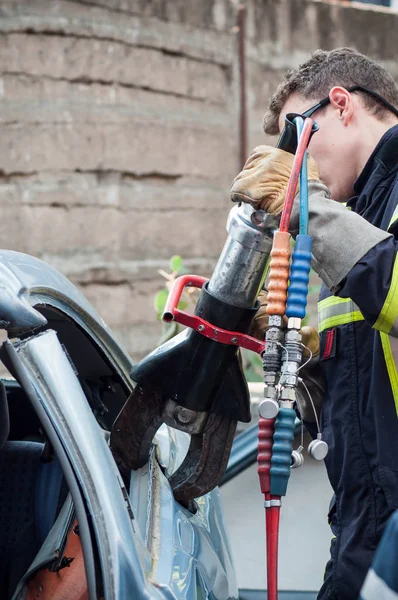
x: 19, y: 471
x: 30, y: 497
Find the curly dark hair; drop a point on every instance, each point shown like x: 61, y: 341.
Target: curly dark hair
x: 324, y: 69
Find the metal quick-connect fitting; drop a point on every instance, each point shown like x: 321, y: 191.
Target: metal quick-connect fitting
x: 291, y: 358
x: 273, y: 345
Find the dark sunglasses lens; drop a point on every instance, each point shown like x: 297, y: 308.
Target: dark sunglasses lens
x: 288, y: 138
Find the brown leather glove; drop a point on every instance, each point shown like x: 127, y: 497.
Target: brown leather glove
x: 310, y: 339
x: 259, y: 326
x: 264, y: 179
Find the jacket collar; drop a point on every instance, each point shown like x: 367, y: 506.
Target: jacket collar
x: 382, y: 161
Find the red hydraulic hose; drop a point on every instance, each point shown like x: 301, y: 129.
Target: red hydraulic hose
x: 279, y: 274
x: 272, y: 516
x: 267, y: 498
x: 265, y: 439
x: 295, y: 175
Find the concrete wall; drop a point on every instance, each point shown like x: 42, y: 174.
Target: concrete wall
x: 119, y: 130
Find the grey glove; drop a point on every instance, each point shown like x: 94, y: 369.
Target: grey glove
x: 340, y: 238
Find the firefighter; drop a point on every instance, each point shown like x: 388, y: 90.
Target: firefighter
x: 353, y: 99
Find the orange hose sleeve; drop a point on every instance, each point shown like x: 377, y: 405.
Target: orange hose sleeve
x: 279, y: 274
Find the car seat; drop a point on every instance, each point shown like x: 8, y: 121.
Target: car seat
x: 31, y: 486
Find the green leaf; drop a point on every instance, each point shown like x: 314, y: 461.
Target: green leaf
x: 182, y: 305
x: 160, y: 301
x: 176, y: 263
x: 252, y: 375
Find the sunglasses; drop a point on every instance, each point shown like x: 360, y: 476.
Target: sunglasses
x: 288, y: 138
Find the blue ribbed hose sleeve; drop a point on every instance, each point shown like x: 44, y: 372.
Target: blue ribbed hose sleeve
x: 299, y: 277
x: 282, y: 451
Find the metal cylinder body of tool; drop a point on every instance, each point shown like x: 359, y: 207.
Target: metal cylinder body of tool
x: 240, y: 269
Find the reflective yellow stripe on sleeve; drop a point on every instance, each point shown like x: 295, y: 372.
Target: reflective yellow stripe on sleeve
x: 391, y: 366
x: 335, y: 311
x: 389, y: 312
x: 393, y: 218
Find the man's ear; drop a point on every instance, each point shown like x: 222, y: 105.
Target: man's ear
x: 341, y: 101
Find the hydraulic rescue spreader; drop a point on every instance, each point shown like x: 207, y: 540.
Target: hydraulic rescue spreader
x: 195, y: 382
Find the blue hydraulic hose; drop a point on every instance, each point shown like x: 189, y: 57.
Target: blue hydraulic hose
x: 303, y: 183
x: 301, y: 259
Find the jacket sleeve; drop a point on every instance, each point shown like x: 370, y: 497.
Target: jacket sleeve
x: 354, y: 258
x: 373, y: 285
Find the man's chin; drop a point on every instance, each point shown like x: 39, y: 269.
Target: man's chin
x: 338, y: 195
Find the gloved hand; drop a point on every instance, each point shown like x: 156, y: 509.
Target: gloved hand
x: 340, y: 238
x: 259, y: 326
x: 264, y: 179
x: 310, y: 339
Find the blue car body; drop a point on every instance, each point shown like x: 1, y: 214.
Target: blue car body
x: 145, y: 544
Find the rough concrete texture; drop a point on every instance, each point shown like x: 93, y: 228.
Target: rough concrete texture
x: 119, y: 130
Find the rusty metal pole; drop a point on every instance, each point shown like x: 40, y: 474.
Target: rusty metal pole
x: 240, y: 23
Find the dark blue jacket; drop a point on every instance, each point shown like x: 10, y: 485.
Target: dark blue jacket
x: 360, y: 408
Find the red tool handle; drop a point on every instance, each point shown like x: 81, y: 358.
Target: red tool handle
x: 171, y: 310
x: 223, y: 336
